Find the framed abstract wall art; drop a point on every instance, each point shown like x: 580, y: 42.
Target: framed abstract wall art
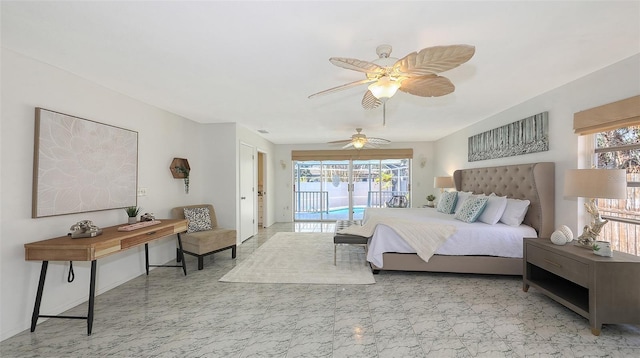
x: 529, y: 135
x: 81, y: 165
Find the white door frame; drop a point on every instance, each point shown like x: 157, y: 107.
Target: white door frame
x: 247, y: 200
x: 265, y: 197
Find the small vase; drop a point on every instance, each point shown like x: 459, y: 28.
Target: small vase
x: 132, y: 220
x: 604, y: 249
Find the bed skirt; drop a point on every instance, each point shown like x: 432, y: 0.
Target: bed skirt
x: 458, y: 264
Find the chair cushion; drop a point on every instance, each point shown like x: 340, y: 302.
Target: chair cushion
x: 199, y: 219
x: 203, y: 242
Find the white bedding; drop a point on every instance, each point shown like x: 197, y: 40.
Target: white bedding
x: 469, y: 239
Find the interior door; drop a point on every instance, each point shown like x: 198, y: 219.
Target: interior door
x: 247, y: 192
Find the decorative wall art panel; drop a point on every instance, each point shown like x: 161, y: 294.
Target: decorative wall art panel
x: 82, y: 165
x: 529, y: 135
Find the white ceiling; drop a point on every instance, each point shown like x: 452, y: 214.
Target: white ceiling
x: 255, y: 63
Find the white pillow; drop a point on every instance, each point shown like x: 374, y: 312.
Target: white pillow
x: 462, y: 196
x: 494, y: 210
x: 515, y: 211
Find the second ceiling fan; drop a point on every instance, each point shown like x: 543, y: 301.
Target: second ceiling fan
x: 416, y: 73
x: 360, y: 141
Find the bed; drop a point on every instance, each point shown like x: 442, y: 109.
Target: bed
x: 534, y: 182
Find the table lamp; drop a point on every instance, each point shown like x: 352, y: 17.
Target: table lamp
x: 443, y: 183
x: 593, y: 184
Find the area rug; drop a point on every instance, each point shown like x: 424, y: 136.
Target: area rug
x: 291, y: 257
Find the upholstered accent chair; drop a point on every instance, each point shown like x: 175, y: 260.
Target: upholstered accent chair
x: 203, y: 236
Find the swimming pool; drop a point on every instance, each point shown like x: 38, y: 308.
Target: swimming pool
x: 333, y: 214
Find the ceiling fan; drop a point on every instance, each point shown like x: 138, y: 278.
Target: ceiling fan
x: 416, y: 73
x: 360, y: 140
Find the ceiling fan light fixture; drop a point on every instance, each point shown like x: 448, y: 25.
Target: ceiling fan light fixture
x: 384, y: 88
x: 358, y: 143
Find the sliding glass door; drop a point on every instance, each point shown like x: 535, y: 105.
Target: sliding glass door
x: 343, y: 189
x: 321, y: 190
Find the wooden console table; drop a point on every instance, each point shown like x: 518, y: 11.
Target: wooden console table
x: 601, y: 289
x: 91, y: 249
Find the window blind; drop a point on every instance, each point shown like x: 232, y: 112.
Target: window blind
x: 367, y: 154
x: 610, y: 116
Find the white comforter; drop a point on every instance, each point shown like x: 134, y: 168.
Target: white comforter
x: 469, y: 238
x: 423, y: 237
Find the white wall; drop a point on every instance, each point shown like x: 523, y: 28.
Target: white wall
x: 616, y: 82
x: 220, y: 153
x: 210, y: 149
x: 422, y: 177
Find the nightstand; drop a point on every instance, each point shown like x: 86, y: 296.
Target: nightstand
x: 601, y: 289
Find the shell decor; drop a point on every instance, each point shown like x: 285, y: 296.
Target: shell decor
x: 562, y: 236
x: 567, y: 232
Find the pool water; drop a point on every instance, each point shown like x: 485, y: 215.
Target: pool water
x: 334, y: 214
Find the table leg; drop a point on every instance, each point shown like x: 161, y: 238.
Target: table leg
x: 181, y: 255
x: 36, y: 307
x: 92, y: 292
x: 146, y: 258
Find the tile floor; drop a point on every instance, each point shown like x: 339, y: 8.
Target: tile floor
x: 402, y: 315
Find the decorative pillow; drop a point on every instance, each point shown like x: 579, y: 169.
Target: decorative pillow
x: 494, y: 209
x: 447, y: 202
x: 472, y: 208
x: 515, y: 211
x: 199, y: 219
x: 462, y: 196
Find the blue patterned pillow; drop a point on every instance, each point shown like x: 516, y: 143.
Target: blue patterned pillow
x: 199, y: 219
x: 472, y: 208
x: 447, y: 202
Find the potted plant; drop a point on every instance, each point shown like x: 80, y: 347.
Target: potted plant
x: 132, y: 213
x: 430, y: 199
x: 185, y: 172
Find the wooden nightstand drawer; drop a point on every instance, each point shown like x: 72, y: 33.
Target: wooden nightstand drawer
x: 562, y: 266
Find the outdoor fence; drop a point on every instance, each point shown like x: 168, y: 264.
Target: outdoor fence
x: 377, y: 199
x: 311, y: 201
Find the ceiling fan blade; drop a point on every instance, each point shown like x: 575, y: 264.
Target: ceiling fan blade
x: 340, y: 141
x: 348, y: 145
x: 343, y: 87
x: 427, y: 86
x: 377, y: 141
x: 369, y: 101
x: 356, y: 65
x: 432, y: 60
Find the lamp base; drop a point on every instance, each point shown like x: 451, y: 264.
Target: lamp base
x: 590, y: 234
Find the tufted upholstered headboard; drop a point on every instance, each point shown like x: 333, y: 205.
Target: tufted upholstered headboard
x: 534, y: 182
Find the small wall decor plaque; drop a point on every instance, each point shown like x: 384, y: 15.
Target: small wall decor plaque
x: 529, y: 135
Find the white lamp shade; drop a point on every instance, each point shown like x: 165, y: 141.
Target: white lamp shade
x: 443, y: 182
x: 596, y: 183
x: 384, y: 88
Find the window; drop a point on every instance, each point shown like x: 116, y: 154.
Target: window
x: 620, y: 149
